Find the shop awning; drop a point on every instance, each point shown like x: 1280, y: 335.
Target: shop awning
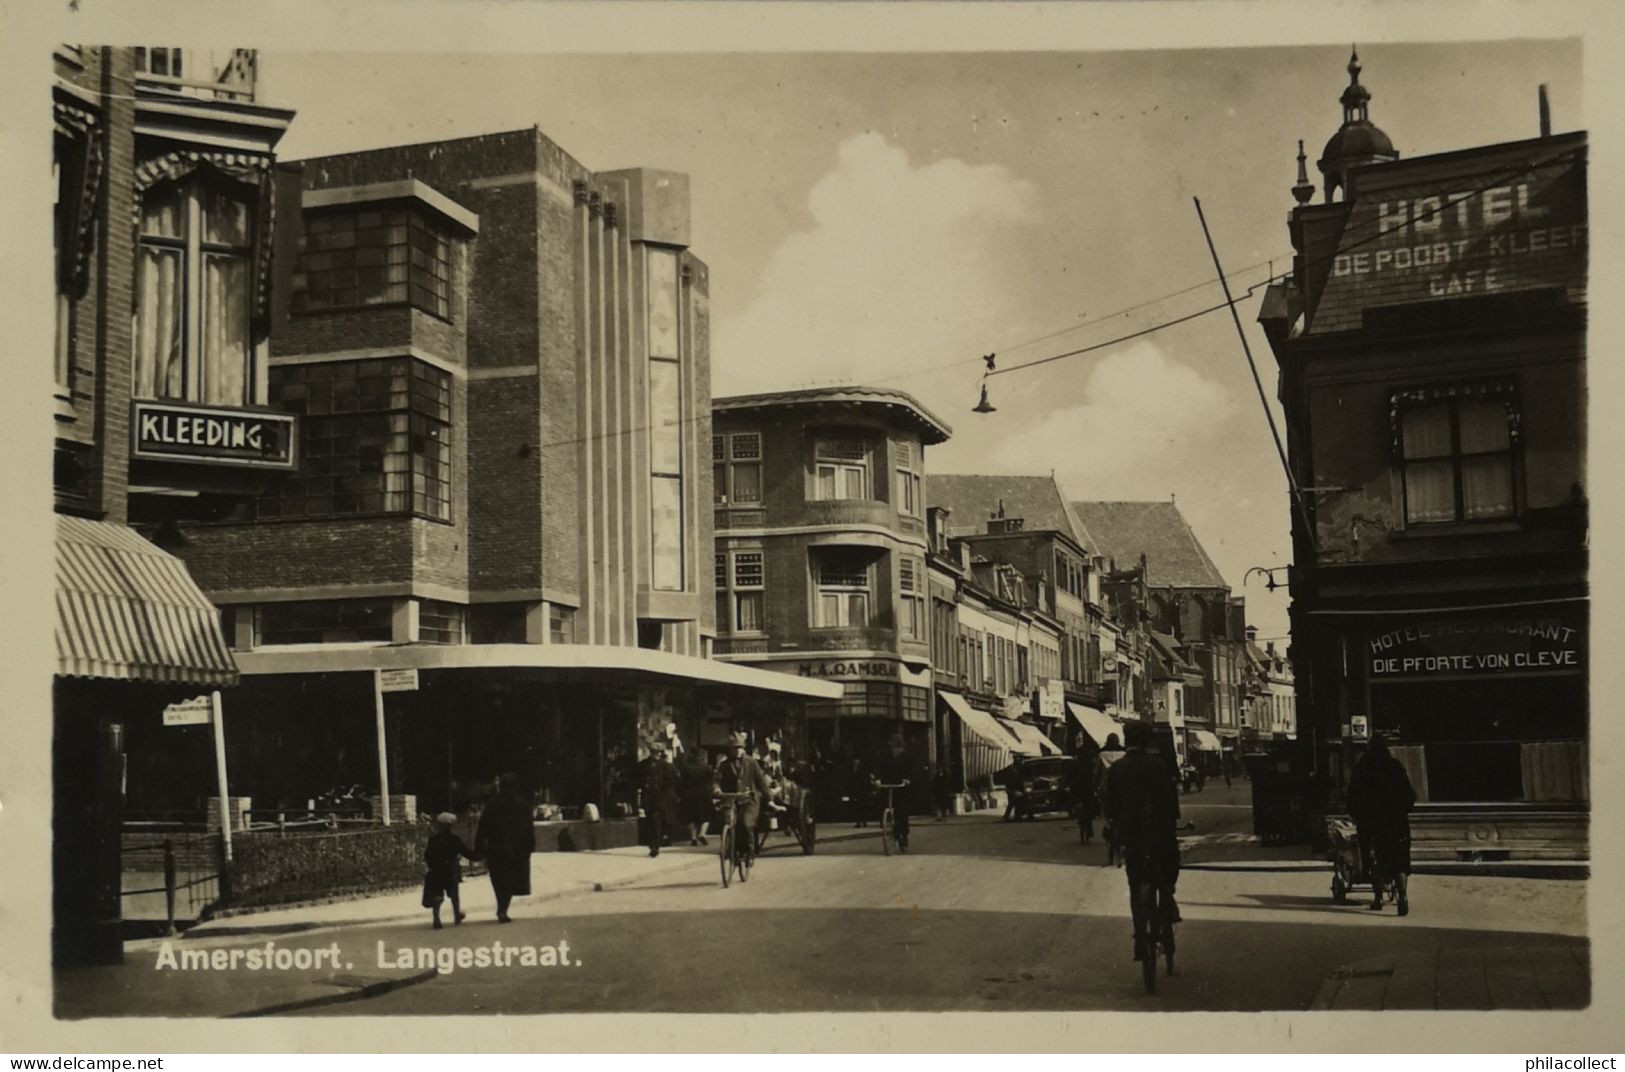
x: 1096, y: 723
x: 125, y: 609
x: 980, y: 723
x: 1030, y: 739
x: 1205, y: 740
x: 564, y: 658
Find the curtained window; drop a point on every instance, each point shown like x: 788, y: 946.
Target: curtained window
x: 841, y: 587
x: 1457, y: 460
x: 194, y: 292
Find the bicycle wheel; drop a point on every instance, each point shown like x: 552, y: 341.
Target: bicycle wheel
x: 888, y: 831
x: 1167, y: 941
x: 1145, y: 935
x: 726, y: 854
x: 746, y: 859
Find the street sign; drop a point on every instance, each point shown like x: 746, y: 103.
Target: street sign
x: 1360, y: 726
x: 398, y: 680
x: 194, y: 712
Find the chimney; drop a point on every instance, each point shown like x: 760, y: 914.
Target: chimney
x: 1252, y: 633
x: 1545, y: 113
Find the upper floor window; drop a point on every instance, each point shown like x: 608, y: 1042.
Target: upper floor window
x: 1456, y: 457
x: 441, y: 623
x: 741, y: 591
x: 736, y: 468
x: 351, y: 258
x: 910, y: 500
x: 561, y: 624
x: 336, y: 621
x: 911, y: 598
x: 842, y: 469
x: 841, y: 581
x: 194, y: 300
x: 375, y: 437
x: 666, y: 409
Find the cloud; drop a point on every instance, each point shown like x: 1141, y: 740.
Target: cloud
x: 903, y: 263
x: 1142, y: 421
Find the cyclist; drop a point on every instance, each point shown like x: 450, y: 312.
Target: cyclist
x: 1142, y: 807
x: 1380, y: 798
x: 741, y: 773
x: 893, y: 768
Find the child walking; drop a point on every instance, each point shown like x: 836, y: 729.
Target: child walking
x: 443, y: 867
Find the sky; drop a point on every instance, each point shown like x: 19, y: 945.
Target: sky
x: 889, y: 218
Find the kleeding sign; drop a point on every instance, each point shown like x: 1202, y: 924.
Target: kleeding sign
x: 178, y: 431
x: 1473, y: 648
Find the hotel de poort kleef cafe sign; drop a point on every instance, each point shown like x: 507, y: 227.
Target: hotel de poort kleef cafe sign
x: 182, y: 432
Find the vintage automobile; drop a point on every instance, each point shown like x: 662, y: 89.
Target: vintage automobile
x: 1047, y: 784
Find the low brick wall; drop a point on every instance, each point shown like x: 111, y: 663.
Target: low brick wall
x: 272, y: 869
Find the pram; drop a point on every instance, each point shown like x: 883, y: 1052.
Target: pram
x: 1349, y: 864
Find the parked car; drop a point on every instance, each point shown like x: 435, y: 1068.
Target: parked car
x: 1048, y: 782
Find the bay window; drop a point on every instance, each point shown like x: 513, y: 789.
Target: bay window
x: 841, y: 584
x: 842, y: 469
x: 194, y: 292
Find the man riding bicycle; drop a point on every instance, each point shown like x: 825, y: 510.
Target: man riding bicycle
x: 1142, y: 808
x: 894, y: 768
x: 740, y: 773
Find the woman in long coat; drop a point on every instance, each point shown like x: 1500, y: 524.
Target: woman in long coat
x: 696, y: 788
x: 505, y: 839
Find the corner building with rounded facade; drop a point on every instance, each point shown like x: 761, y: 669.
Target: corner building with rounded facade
x: 820, y: 555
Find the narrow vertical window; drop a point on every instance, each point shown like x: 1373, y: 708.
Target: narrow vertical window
x: 665, y: 423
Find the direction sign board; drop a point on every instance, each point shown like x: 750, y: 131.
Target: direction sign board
x: 398, y: 680
x: 193, y: 712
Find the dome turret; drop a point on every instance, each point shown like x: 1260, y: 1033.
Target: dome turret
x: 1358, y: 141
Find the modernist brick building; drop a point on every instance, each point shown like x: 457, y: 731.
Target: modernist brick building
x: 820, y: 553
x: 1431, y: 342
x: 499, y: 362
x: 163, y: 159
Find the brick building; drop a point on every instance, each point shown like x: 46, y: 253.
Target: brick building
x: 1186, y: 598
x: 820, y: 554
x: 162, y: 160
x: 499, y: 364
x: 1025, y: 522
x: 1431, y: 343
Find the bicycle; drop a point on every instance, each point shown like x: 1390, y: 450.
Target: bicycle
x: 1153, y: 922
x: 733, y: 862
x: 888, y: 818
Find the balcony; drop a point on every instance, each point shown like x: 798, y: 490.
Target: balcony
x: 207, y: 74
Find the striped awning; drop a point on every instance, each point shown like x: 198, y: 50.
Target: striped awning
x: 126, y: 609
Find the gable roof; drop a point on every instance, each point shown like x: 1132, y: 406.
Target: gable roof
x: 1174, y: 556
x: 971, y: 499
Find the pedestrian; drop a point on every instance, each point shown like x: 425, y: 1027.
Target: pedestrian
x: 1380, y: 800
x: 658, y: 794
x: 696, y: 783
x: 894, y: 768
x: 942, y: 792
x: 1015, y: 790
x: 1110, y: 753
x: 504, y: 840
x: 443, y: 857
x: 858, y: 791
x: 1084, y: 789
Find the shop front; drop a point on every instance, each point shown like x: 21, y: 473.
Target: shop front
x: 571, y: 721
x: 1481, y: 707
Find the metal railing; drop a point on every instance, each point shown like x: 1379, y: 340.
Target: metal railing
x: 174, y: 870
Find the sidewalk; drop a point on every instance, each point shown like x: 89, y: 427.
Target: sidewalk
x: 129, y: 989
x: 1504, y: 977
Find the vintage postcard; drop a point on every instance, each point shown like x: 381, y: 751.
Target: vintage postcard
x: 1051, y: 510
